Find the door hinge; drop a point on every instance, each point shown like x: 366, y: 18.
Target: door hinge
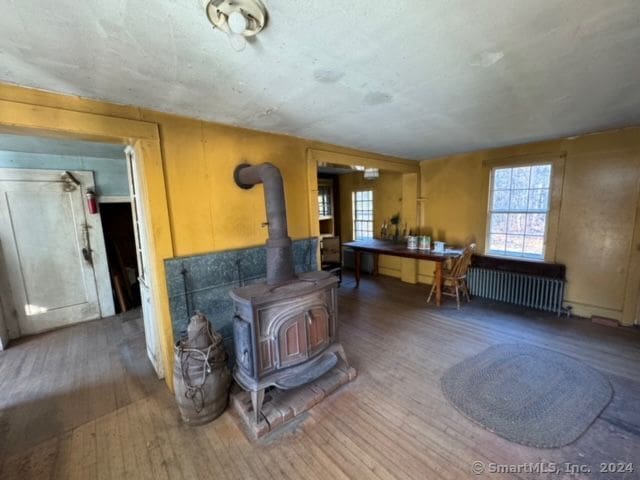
x: 86, y: 251
x: 70, y: 182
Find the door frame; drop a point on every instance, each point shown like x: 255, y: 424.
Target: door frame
x: 410, y: 171
x: 95, y: 240
x: 61, y: 121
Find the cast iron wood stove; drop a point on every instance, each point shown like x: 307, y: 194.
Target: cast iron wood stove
x: 285, y: 329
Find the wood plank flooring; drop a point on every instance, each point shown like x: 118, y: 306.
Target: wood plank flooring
x: 84, y: 403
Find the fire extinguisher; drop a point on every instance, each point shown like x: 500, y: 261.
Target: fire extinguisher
x: 92, y: 202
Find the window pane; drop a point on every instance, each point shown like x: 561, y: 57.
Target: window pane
x: 533, y: 245
x: 515, y: 244
x: 516, y: 223
x: 536, y: 223
x: 519, y: 205
x: 520, y: 177
x: 540, y: 176
x: 538, y: 199
x: 497, y: 242
x: 498, y: 223
x: 518, y: 200
x: 362, y: 215
x: 502, y: 179
x: 500, y: 200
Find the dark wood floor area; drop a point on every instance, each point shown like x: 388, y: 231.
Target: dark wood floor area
x: 83, y: 402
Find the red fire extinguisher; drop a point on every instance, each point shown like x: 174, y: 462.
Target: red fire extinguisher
x: 92, y: 202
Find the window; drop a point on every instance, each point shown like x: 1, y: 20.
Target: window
x: 324, y: 201
x: 362, y: 215
x: 518, y: 211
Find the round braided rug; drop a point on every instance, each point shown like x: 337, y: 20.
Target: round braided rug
x: 526, y: 394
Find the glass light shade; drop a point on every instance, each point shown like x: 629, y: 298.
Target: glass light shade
x: 237, y: 22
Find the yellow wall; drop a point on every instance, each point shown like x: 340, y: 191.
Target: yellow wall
x: 208, y: 211
x: 596, y: 192
x: 191, y: 176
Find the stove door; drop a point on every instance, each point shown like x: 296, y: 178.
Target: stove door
x: 292, y: 338
x: 317, y: 329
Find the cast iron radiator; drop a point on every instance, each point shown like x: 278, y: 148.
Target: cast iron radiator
x: 528, y: 284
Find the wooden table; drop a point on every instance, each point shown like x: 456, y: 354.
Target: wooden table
x: 384, y: 247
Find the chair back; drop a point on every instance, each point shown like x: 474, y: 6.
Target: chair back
x: 462, y: 263
x: 330, y: 250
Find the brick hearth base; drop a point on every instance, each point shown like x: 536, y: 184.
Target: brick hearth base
x: 281, y: 406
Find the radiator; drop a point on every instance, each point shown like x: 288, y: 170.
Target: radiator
x: 531, y: 291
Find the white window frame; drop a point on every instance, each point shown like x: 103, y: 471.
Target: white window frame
x: 325, y: 207
x: 355, y: 211
x: 547, y: 211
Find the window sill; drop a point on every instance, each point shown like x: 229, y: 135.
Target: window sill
x: 525, y: 266
x: 510, y: 257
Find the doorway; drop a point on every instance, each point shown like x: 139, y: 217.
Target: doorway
x: 65, y: 260
x: 401, y: 202
x: 120, y: 244
x: 27, y: 114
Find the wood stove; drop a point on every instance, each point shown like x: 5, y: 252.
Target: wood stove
x: 285, y: 329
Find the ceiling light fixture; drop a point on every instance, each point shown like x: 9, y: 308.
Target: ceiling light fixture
x: 239, y: 19
x: 371, y: 173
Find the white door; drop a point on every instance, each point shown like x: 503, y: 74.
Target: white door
x: 144, y: 264
x: 48, y: 277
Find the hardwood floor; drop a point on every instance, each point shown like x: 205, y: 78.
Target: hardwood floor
x: 84, y: 403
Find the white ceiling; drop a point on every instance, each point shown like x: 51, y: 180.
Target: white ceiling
x: 412, y: 78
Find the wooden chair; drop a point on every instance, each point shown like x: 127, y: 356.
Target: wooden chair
x: 331, y: 256
x: 455, y: 280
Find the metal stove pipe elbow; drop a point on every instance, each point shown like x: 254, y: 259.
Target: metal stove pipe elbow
x: 279, y: 250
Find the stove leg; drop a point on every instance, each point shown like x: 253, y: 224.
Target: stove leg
x: 257, y: 398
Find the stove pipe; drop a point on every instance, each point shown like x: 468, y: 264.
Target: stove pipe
x: 279, y: 251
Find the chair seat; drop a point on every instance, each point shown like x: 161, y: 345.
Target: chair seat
x: 451, y: 276
x: 454, y: 278
x: 331, y: 265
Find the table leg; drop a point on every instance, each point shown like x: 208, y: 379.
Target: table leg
x: 375, y: 264
x: 438, y: 281
x: 358, y: 258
